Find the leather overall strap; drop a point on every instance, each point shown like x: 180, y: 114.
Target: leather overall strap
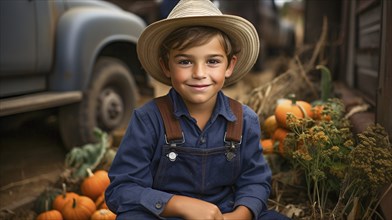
x: 172, y: 125
x: 173, y: 128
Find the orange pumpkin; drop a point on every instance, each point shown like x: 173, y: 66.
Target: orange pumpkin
x: 78, y: 208
x: 279, y: 135
x: 268, y: 146
x: 318, y: 113
x: 103, y: 214
x: 50, y: 215
x: 299, y: 109
x: 270, y: 125
x: 95, y: 184
x: 100, y: 202
x: 63, y: 198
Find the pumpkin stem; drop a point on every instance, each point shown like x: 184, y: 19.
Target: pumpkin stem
x: 46, y: 205
x: 326, y: 82
x: 73, y: 203
x: 292, y: 97
x: 64, y: 186
x: 90, y: 173
x: 303, y: 111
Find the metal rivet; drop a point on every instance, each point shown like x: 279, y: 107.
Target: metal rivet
x: 172, y: 156
x: 158, y: 205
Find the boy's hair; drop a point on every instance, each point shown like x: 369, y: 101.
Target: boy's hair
x: 188, y: 37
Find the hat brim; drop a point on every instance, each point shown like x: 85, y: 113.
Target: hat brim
x: 237, y: 28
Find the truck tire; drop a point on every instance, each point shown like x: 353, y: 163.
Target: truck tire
x: 107, y: 104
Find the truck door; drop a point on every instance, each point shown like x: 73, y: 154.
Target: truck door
x: 25, y: 46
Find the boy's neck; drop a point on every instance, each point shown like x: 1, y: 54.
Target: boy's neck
x: 201, y: 112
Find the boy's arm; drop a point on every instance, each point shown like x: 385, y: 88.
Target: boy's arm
x: 130, y: 190
x: 252, y: 187
x: 191, y: 208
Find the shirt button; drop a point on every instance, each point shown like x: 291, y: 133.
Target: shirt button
x: 158, y: 205
x: 203, y: 140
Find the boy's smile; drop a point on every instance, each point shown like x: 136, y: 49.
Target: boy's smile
x: 199, y: 73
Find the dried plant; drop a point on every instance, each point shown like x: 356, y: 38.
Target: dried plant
x: 320, y: 149
x: 369, y: 170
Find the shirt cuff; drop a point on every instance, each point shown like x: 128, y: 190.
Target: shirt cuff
x: 155, y: 201
x: 255, y: 205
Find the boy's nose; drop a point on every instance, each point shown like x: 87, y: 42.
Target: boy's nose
x: 199, y: 71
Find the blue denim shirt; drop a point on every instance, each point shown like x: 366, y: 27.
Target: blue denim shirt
x: 141, y: 185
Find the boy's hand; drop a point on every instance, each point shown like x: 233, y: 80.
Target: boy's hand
x: 240, y: 213
x: 190, y: 208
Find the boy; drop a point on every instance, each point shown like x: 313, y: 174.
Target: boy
x: 212, y: 167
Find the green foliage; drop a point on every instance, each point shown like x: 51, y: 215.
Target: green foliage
x: 87, y: 156
x: 45, y: 200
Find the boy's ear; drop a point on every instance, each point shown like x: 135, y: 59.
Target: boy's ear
x: 164, y: 68
x: 231, y: 66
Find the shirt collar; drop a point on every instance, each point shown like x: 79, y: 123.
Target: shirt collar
x: 222, y: 106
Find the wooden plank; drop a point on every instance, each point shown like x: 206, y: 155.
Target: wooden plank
x: 367, y: 82
x: 384, y: 96
x: 365, y: 4
x: 368, y: 60
x: 369, y: 38
x: 370, y: 16
x: 384, y: 100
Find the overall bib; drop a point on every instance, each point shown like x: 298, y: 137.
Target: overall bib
x: 208, y: 174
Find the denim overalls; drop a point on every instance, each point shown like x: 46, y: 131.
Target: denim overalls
x: 207, y: 174
x: 149, y: 168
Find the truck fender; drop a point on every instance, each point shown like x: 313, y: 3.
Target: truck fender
x: 81, y: 34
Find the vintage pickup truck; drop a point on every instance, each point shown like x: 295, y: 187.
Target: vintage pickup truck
x: 78, y: 57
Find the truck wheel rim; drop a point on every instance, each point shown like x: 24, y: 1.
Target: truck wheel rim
x: 111, y: 108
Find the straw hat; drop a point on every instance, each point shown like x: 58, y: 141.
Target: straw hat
x: 199, y: 13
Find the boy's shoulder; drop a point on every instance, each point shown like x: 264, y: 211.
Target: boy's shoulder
x: 148, y: 108
x: 249, y: 113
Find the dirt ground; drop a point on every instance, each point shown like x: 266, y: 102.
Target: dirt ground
x: 32, y: 155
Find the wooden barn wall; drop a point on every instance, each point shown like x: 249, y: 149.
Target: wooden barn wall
x: 359, y: 48
x: 368, y: 45
x: 384, y: 92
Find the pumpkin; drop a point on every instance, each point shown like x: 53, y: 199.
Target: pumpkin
x: 100, y: 202
x: 95, y: 184
x: 50, y: 215
x: 299, y: 109
x: 63, y: 198
x: 318, y: 113
x: 78, y: 208
x: 270, y: 125
x: 279, y: 135
x: 267, y: 145
x: 103, y: 214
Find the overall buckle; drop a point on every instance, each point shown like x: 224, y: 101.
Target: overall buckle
x: 231, y: 147
x: 172, y: 155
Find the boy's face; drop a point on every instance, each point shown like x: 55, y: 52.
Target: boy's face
x: 198, y: 73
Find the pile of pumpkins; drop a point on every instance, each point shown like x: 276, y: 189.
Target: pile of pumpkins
x: 89, y: 204
x: 275, y: 128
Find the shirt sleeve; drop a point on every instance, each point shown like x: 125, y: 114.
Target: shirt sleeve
x: 130, y: 190
x: 253, y: 186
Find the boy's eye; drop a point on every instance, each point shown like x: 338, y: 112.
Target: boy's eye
x: 184, y: 62
x: 213, y: 61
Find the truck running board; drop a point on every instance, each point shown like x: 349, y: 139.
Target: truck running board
x: 38, y: 101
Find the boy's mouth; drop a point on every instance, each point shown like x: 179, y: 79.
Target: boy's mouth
x: 199, y: 86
